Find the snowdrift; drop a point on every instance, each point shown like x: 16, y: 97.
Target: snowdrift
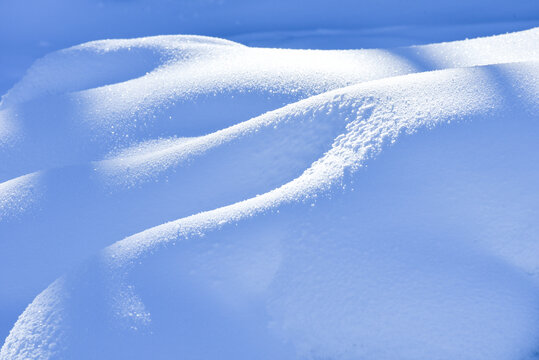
x: 273, y: 203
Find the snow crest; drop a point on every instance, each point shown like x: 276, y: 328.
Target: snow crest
x: 197, y: 198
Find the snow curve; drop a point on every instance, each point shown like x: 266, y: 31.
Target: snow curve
x: 317, y: 217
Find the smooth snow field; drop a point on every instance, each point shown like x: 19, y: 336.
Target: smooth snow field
x: 196, y: 197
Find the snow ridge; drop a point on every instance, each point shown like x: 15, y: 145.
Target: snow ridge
x: 243, y: 182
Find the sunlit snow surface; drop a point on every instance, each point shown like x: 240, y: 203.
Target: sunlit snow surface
x: 194, y: 198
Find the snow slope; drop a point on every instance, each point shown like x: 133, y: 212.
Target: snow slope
x: 273, y: 203
x: 32, y: 28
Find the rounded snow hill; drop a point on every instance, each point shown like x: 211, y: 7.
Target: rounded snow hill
x: 192, y: 197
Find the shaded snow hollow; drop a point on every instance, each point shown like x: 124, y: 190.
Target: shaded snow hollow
x: 273, y: 203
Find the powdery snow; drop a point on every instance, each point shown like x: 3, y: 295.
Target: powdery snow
x: 273, y: 203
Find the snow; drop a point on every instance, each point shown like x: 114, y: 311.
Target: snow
x: 191, y: 196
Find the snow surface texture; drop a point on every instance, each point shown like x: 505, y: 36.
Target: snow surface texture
x: 30, y: 29
x: 360, y: 204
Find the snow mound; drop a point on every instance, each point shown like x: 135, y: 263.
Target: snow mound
x: 273, y: 203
